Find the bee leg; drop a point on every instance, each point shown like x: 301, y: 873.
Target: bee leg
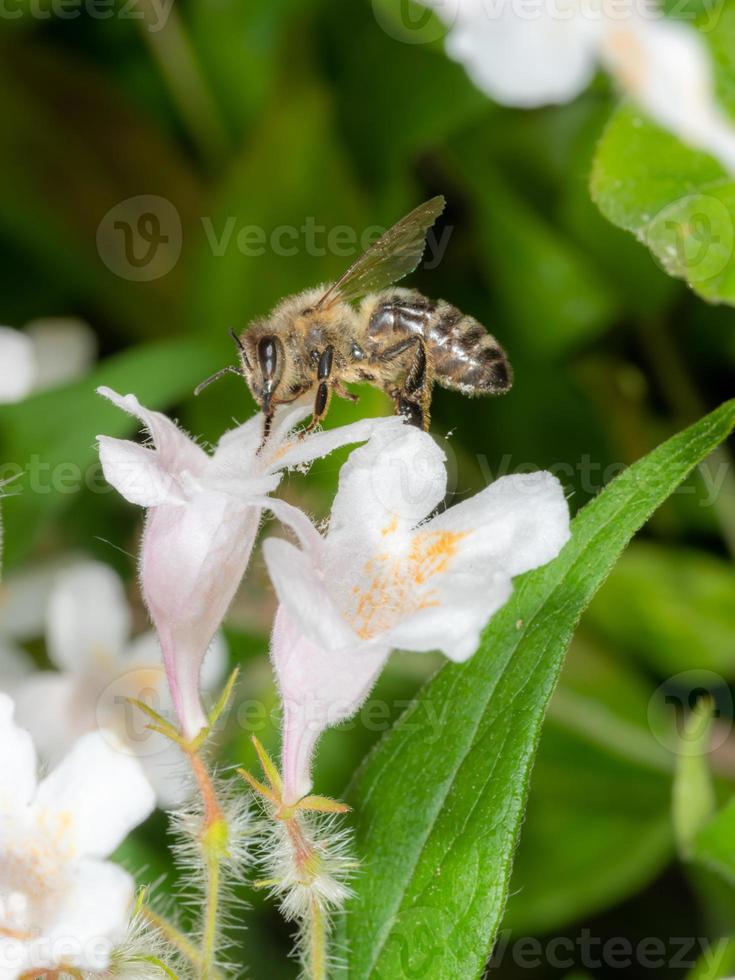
x: 267, y: 423
x: 413, y: 398
x: 323, y: 391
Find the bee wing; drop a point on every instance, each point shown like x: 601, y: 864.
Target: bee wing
x: 393, y: 256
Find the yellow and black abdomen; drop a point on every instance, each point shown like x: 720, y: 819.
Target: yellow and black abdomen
x: 463, y: 355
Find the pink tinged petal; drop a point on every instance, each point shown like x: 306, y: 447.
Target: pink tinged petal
x: 666, y: 67
x: 215, y: 664
x: 96, y: 795
x: 137, y: 473
x: 17, y: 762
x: 192, y: 561
x: 94, y: 916
x: 304, y: 592
x: 393, y: 482
x: 519, y: 59
x: 88, y: 619
x: 318, y: 688
x: 64, y: 347
x: 17, y: 365
x: 177, y: 451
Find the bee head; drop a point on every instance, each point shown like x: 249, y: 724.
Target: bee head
x: 263, y: 366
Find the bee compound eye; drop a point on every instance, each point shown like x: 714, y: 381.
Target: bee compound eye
x: 268, y: 357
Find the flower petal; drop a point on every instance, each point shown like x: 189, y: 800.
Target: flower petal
x: 176, y: 450
x: 470, y: 554
x: 95, y: 914
x: 88, y: 618
x: 521, y: 60
x: 394, y: 481
x: 666, y: 67
x: 17, y: 762
x: 17, y: 365
x: 301, y: 591
x: 192, y: 561
x: 517, y: 523
x: 54, y: 709
x: 315, y: 445
x: 98, y: 792
x: 15, y: 666
x: 318, y: 688
x: 24, y: 598
x: 137, y: 473
x: 64, y: 347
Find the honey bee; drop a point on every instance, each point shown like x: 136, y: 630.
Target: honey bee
x: 394, y: 338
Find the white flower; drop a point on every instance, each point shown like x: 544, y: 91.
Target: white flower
x: 46, y: 353
x: 61, y: 906
x: 88, y: 627
x: 522, y: 53
x: 203, y: 516
x: 387, y: 575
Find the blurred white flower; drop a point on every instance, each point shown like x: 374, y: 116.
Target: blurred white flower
x: 522, y: 53
x: 61, y: 906
x: 203, y: 516
x: 99, y: 668
x: 46, y: 353
x: 386, y: 575
x: 24, y: 597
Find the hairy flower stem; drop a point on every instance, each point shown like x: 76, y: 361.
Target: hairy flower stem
x: 315, y: 927
x: 318, y: 942
x: 173, y: 936
x: 214, y: 845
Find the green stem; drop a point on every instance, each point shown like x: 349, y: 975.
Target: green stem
x: 318, y: 942
x: 209, y: 938
x: 172, y: 935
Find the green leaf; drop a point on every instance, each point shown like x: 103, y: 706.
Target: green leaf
x: 679, y: 202
x: 673, y: 607
x: 440, y: 807
x: 717, y: 964
x: 600, y: 780
x: 714, y: 845
x: 49, y: 440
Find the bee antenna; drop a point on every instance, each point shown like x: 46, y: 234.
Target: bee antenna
x: 241, y: 348
x: 230, y: 369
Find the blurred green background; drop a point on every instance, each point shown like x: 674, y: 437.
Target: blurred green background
x: 237, y: 118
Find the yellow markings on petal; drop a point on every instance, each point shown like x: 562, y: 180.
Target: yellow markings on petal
x: 396, y: 585
x: 390, y: 528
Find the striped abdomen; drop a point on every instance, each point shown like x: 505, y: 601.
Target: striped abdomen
x: 463, y: 355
